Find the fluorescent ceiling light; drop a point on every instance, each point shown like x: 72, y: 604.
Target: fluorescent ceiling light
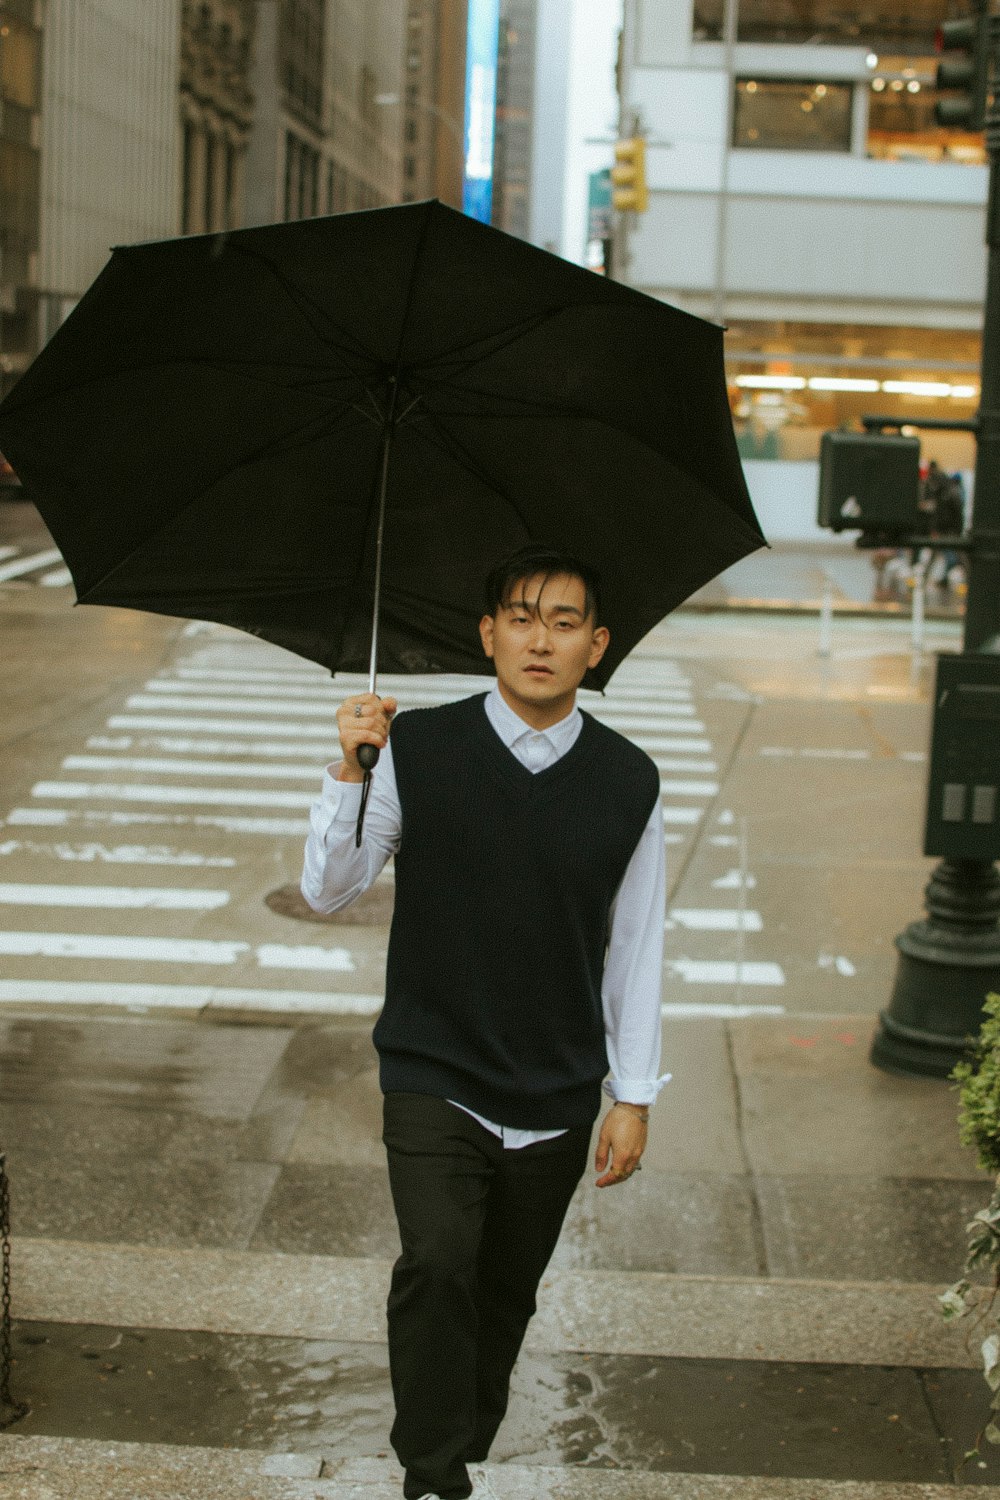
x: 841, y: 383
x: 771, y: 382
x: 916, y: 388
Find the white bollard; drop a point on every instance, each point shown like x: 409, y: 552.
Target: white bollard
x: 826, y: 622
x: 919, y: 607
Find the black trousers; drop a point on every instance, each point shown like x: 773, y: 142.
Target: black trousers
x: 477, y: 1225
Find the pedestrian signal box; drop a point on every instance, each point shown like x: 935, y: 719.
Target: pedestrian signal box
x: 963, y: 789
x: 870, y: 481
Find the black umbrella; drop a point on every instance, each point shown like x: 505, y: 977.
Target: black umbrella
x: 224, y: 424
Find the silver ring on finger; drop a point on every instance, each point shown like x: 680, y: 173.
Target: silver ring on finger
x: 358, y: 710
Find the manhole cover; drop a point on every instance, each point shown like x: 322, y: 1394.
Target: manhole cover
x: 373, y: 909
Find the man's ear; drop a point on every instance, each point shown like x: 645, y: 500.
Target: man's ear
x: 599, y: 645
x: 486, y: 634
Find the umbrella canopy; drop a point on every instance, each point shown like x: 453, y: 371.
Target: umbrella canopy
x: 211, y: 431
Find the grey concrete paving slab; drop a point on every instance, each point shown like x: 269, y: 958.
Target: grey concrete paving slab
x: 343, y: 1300
x: 328, y: 1210
x: 682, y: 1223
x: 901, y: 1228
x: 157, y: 1065
x: 813, y: 1105
x: 695, y: 1124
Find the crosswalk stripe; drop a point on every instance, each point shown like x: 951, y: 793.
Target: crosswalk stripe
x: 117, y: 854
x: 133, y: 949
x: 185, y: 997
x: 29, y: 564
x: 713, y: 919
x: 98, y: 791
x: 130, y: 949
x: 58, y: 817
x: 276, y: 727
x: 714, y: 971
x: 182, y: 767
x: 690, y: 788
x: 124, y: 897
x: 57, y: 579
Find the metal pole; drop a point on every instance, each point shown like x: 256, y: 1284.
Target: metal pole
x: 950, y: 961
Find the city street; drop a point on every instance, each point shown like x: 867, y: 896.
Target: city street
x: 190, y: 1108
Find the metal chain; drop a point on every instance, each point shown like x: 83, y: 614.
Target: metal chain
x: 11, y: 1411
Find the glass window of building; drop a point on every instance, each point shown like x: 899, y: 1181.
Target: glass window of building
x: 784, y: 115
x: 901, y: 124
x: 906, y: 26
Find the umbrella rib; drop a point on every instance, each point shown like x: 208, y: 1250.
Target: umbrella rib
x: 305, y: 306
x: 450, y: 445
x: 509, y: 337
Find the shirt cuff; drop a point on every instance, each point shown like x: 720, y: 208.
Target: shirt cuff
x: 635, y: 1090
x: 342, y: 798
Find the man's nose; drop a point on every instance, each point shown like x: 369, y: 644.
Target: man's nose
x: 540, y: 640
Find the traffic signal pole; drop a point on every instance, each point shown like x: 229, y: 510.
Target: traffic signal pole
x: 950, y: 962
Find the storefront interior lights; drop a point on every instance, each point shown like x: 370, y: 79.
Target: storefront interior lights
x: 841, y: 383
x: 916, y: 388
x: 771, y: 382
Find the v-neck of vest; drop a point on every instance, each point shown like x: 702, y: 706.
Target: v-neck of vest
x: 503, y: 756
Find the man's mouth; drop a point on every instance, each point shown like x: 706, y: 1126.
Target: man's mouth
x: 539, y: 671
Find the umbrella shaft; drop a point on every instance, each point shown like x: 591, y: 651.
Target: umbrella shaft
x: 379, y: 532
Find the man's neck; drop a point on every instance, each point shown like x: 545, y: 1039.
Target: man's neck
x: 538, y: 715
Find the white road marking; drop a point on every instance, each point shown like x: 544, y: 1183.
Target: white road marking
x: 680, y: 1011
x: 712, y: 919
x: 311, y: 956
x: 724, y: 841
x: 655, y: 744
x: 690, y: 788
x: 181, y: 767
x: 7, y: 552
x: 839, y: 962
x: 680, y: 764
x: 57, y: 579
x: 119, y: 854
x: 324, y: 732
x: 29, y: 564
x: 783, y: 752
x: 238, y: 705
x: 682, y: 814
x: 132, y: 898
x: 189, y: 745
x: 195, y: 796
x: 186, y: 997
x: 58, y: 817
x: 709, y: 971
x: 128, y: 949
x: 251, y: 674
x: 733, y: 880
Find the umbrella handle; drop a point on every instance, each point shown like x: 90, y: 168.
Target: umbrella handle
x: 367, y: 756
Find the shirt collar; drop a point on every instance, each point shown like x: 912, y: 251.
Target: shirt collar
x: 510, y: 726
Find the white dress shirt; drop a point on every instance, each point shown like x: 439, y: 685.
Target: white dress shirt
x: 336, y: 872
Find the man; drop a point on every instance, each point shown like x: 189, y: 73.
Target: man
x: 524, y: 960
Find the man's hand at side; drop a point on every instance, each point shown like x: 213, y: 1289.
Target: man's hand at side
x: 363, y: 720
x: 619, y: 1146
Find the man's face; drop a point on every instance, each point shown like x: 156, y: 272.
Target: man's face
x: 542, y: 643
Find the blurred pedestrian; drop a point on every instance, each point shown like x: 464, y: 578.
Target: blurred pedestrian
x: 524, y: 962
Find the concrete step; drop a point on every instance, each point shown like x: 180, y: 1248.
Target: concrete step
x: 343, y: 1298
x: 64, y: 1469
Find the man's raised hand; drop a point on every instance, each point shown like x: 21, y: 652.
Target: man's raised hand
x: 362, y: 720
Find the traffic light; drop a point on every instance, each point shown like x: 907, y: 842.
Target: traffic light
x: 629, y: 191
x: 965, y: 76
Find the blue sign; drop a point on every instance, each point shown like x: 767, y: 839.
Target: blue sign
x: 480, y: 107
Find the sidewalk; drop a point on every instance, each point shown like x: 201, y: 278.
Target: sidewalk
x: 797, y: 577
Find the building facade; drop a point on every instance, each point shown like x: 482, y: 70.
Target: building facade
x: 801, y: 194
x: 327, y: 84
x: 216, y: 112
x: 433, y: 101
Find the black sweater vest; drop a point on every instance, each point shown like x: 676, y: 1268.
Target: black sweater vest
x: 504, y: 883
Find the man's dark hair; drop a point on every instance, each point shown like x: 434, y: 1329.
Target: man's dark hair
x: 550, y: 563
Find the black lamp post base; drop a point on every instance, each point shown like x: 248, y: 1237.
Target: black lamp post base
x: 948, y: 965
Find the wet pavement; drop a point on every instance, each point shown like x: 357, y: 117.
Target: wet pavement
x: 190, y: 1109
